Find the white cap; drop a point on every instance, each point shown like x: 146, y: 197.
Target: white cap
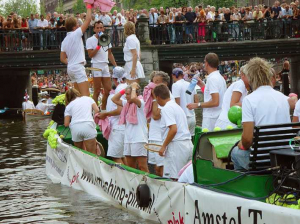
x: 119, y: 73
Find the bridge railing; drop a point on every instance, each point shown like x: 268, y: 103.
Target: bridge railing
x: 218, y: 31
x: 49, y: 38
x: 176, y: 33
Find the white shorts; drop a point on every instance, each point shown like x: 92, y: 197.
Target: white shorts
x: 139, y: 70
x: 192, y: 124
x: 105, y: 70
x: 178, y: 154
x: 154, y: 157
x: 209, y: 123
x: 77, y: 73
x: 83, y: 131
x: 223, y: 124
x: 116, y: 144
x: 135, y: 149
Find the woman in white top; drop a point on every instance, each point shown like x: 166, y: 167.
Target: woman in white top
x: 234, y: 95
x: 82, y: 126
x: 136, y: 133
x: 132, y: 55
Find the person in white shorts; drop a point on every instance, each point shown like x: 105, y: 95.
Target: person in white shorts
x: 132, y: 54
x: 159, y: 77
x: 179, y: 88
x: 78, y: 116
x: 177, y: 146
x: 233, y: 96
x: 100, y: 56
x: 136, y: 133
x: 116, y: 137
x: 72, y: 52
x: 213, y: 93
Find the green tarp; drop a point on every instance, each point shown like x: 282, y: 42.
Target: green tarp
x: 224, y: 144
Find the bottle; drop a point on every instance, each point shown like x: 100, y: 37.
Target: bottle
x: 193, y: 84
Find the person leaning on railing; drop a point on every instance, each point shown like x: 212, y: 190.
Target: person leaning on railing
x: 201, y: 20
x: 163, y: 34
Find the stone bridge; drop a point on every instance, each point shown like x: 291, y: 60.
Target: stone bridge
x: 16, y: 66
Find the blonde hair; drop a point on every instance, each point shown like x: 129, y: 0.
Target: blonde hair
x: 258, y: 72
x: 71, y: 95
x: 129, y: 28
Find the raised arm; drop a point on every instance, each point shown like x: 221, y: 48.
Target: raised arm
x: 117, y: 98
x: 88, y: 18
x: 134, y: 97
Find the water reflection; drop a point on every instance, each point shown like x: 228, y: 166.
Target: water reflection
x: 28, y: 196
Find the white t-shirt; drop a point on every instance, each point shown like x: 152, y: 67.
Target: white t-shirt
x: 28, y: 105
x: 42, y: 106
x: 80, y: 110
x: 172, y: 114
x: 135, y: 133
x: 187, y: 176
x: 72, y: 45
x: 154, y: 126
x: 215, y: 84
x: 41, y: 23
x: 179, y: 91
x: 114, y: 120
x: 132, y: 42
x: 238, y: 86
x: 266, y: 106
x: 297, y: 110
x: 102, y: 54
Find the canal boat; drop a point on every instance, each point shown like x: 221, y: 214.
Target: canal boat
x: 220, y: 194
x: 35, y: 114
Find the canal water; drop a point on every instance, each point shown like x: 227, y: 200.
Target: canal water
x: 28, y: 196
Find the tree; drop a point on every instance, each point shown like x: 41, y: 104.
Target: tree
x: 60, y: 7
x: 42, y: 8
x: 79, y: 7
x: 21, y: 7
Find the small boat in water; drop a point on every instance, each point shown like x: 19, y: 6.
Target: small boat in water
x: 220, y: 194
x: 35, y: 114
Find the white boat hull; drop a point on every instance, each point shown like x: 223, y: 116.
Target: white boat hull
x: 172, y: 202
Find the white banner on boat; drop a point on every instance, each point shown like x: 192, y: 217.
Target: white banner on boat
x: 171, y: 202
x: 208, y: 207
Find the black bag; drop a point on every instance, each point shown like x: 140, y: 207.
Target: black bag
x: 58, y: 114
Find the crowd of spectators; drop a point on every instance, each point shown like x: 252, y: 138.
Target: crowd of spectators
x: 52, y: 79
x: 167, y: 25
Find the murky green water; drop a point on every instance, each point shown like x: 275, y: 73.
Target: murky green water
x: 28, y: 196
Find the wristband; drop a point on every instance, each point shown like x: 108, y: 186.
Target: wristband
x: 153, y: 100
x: 98, y: 47
x: 242, y: 148
x: 122, y: 92
x: 199, y: 104
x: 202, y: 89
x: 89, y: 6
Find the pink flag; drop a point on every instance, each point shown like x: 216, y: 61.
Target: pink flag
x: 103, y: 5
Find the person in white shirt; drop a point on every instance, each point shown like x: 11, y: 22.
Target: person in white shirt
x: 72, y: 52
x: 105, y: 19
x: 78, y: 116
x: 43, y: 106
x: 116, y: 137
x: 179, y: 88
x: 100, y: 56
x: 264, y: 106
x: 296, y: 115
x: 136, y: 133
x: 159, y: 77
x: 234, y: 95
x: 41, y: 25
x: 214, y: 91
x: 188, y: 175
x: 132, y: 54
x: 177, y: 147
x: 27, y: 104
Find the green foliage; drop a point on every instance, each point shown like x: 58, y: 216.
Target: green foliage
x: 79, y: 7
x: 219, y: 3
x: 42, y: 8
x: 21, y: 7
x: 60, y: 7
